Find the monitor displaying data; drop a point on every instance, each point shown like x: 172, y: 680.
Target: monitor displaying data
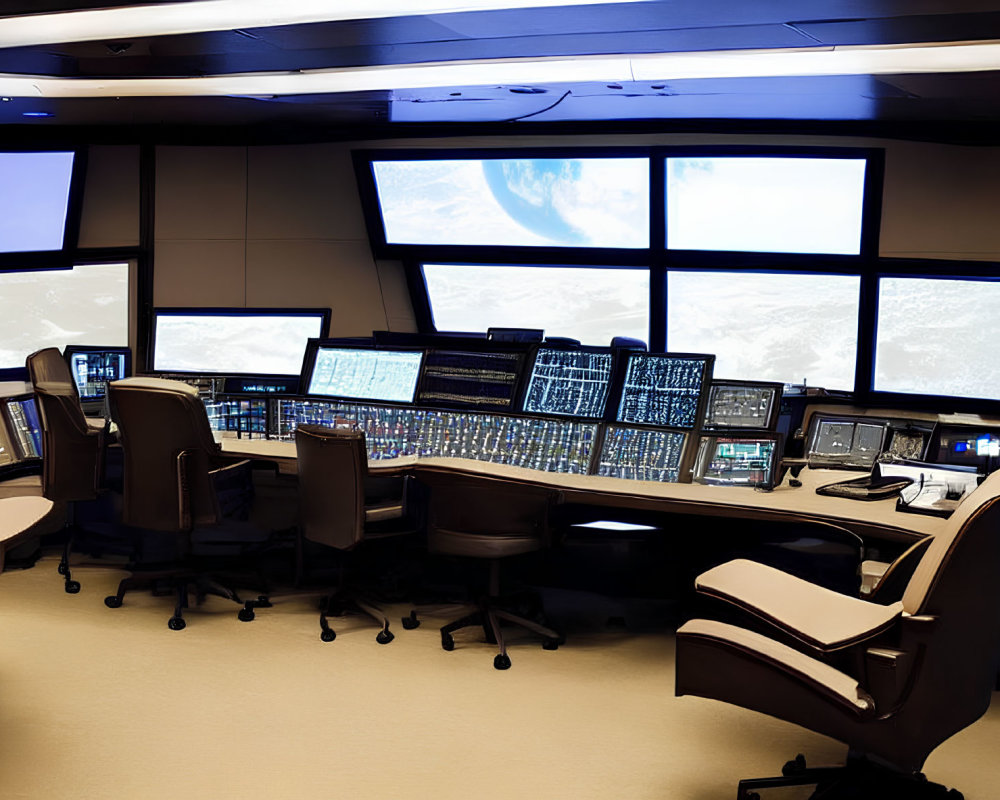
x: 664, y: 389
x: 571, y: 383
x: 26, y: 430
x: 743, y: 405
x: 470, y: 379
x: 642, y: 455
x: 365, y: 374
x: 845, y: 442
x: 94, y: 367
x: 737, y: 460
x: 234, y: 341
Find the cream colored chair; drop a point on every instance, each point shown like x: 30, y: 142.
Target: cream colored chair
x: 908, y: 675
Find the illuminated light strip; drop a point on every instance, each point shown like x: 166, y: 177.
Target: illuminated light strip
x: 865, y: 60
x: 224, y: 15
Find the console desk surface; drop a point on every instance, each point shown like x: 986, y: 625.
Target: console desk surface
x: 876, y: 518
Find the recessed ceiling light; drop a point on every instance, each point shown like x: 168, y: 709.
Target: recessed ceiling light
x: 36, y: 113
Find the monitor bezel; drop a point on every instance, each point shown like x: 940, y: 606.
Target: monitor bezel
x: 706, y: 380
x: 309, y: 365
x: 773, y: 412
x: 818, y: 462
x: 752, y: 435
x: 529, y: 371
x: 683, y: 470
x: 523, y: 349
x: 324, y: 314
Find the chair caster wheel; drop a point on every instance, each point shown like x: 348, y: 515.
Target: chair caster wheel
x: 550, y: 644
x: 262, y: 601
x: 246, y: 615
x: 794, y: 767
x: 113, y: 601
x: 176, y: 623
x: 502, y: 661
x: 411, y: 622
x: 72, y: 587
x: 447, y: 642
x: 62, y: 569
x: 328, y: 635
x: 384, y: 637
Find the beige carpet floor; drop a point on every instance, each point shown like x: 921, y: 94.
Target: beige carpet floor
x: 101, y: 703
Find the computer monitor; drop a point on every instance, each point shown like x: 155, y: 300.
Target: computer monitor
x: 846, y: 442
x: 736, y: 460
x: 968, y: 446
x: 743, y: 404
x: 641, y: 454
x: 382, y: 375
x: 515, y: 334
x: 471, y: 378
x: 665, y: 389
x: 24, y: 426
x: 94, y: 367
x: 234, y: 341
x: 569, y: 382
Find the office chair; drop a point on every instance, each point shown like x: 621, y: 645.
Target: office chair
x: 186, y: 503
x: 72, y: 445
x: 908, y: 675
x: 341, y: 507
x: 488, y: 519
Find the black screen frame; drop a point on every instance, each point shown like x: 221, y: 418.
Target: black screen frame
x: 72, y: 349
x: 309, y: 365
x: 561, y: 347
x: 774, y: 411
x: 523, y: 350
x: 706, y: 380
x: 713, y: 437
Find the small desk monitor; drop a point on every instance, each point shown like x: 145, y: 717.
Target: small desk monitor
x: 665, y: 389
x: 743, y: 404
x: 847, y: 442
x: 234, y: 341
x: 94, y: 367
x: 738, y: 460
x: 483, y: 379
x: 24, y: 426
x: 569, y: 382
x: 381, y: 375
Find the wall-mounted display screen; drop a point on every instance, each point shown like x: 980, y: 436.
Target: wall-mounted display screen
x: 664, y: 389
x: 34, y: 200
x: 840, y: 442
x: 239, y: 341
x: 774, y: 204
x: 365, y: 374
x: 470, y: 379
x: 589, y: 304
x: 571, y: 383
x: 788, y: 328
x: 743, y: 405
x: 947, y: 327
x: 738, y: 460
x: 541, y: 202
x: 94, y: 367
x: 641, y: 454
x: 56, y: 307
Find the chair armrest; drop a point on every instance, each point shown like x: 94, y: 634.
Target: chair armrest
x: 821, y: 618
x: 892, y: 584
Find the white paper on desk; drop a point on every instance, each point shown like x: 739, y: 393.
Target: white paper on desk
x: 932, y: 483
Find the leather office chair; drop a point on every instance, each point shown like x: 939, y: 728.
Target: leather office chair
x: 186, y: 502
x: 491, y: 520
x: 72, y: 445
x: 891, y: 681
x: 340, y: 507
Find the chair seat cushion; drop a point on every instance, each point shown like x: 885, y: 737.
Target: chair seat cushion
x: 383, y: 512
x: 480, y: 545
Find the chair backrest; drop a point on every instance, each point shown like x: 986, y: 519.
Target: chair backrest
x: 957, y: 582
x: 169, y: 451
x: 333, y: 464
x: 71, y: 452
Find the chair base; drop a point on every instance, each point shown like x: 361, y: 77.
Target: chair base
x: 345, y: 601
x: 858, y: 779
x: 179, y: 583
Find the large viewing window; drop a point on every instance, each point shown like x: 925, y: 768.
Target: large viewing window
x: 791, y: 328
x: 534, y: 202
x: 765, y: 204
x: 56, y: 307
x: 938, y: 337
x: 585, y: 303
